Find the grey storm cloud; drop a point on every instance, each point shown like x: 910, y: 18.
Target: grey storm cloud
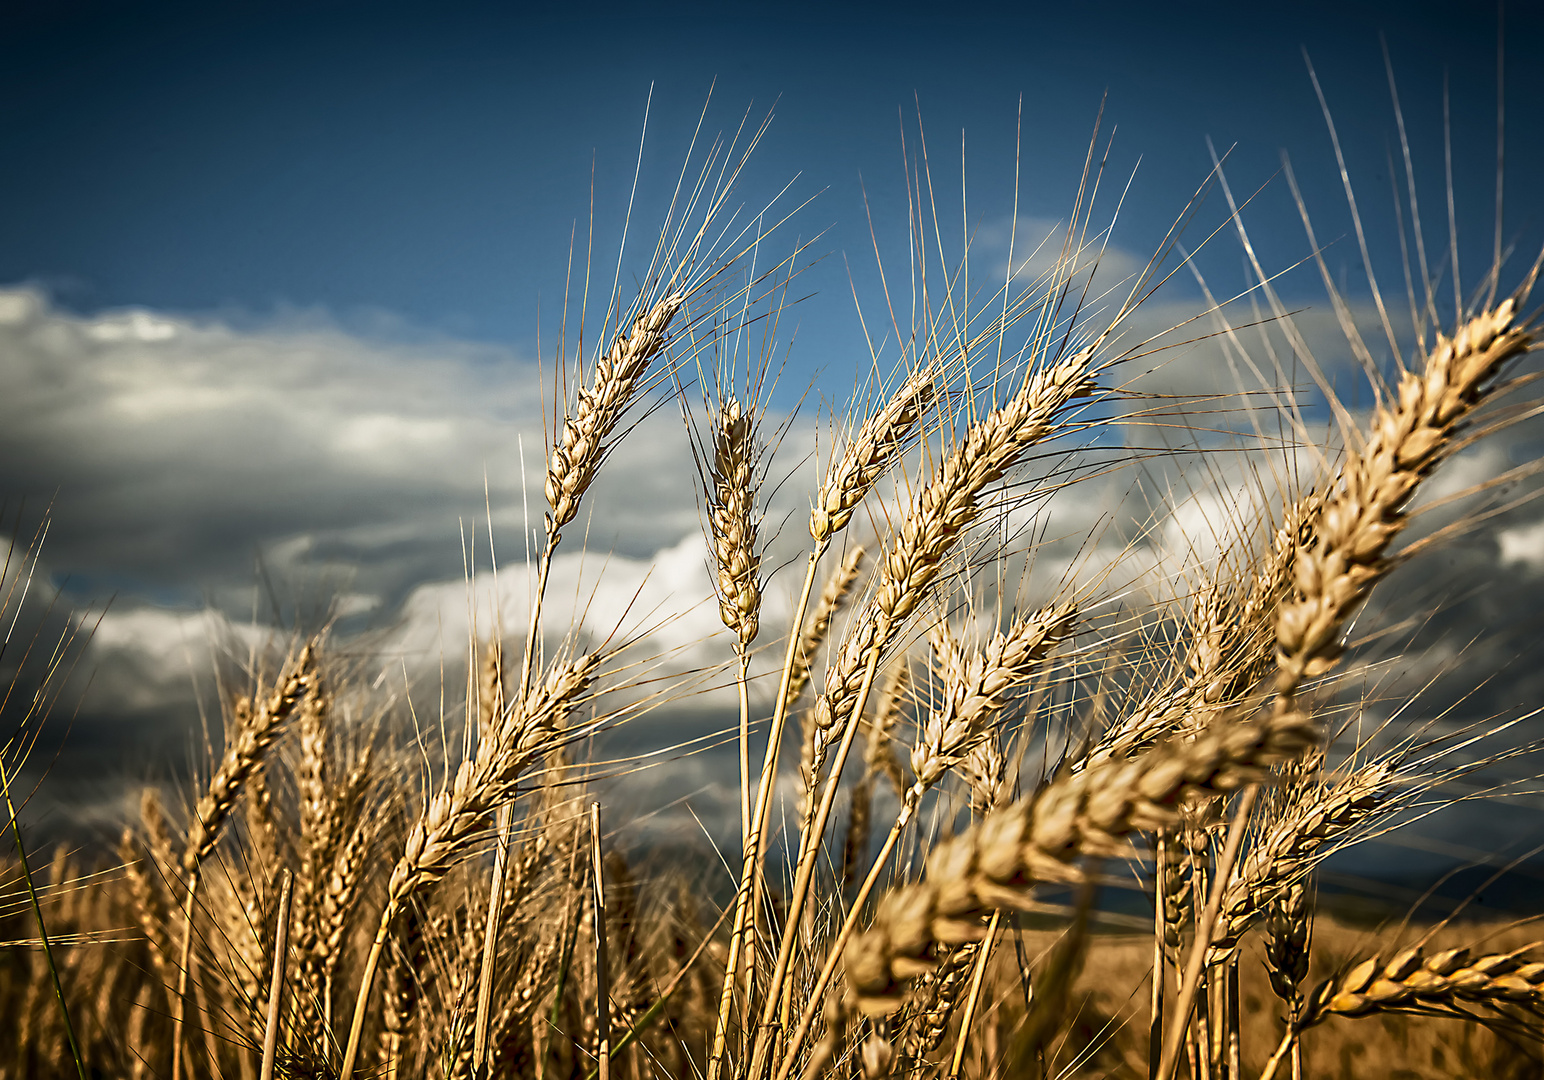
x: 176, y: 450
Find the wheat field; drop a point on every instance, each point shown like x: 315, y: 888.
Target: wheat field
x: 951, y: 754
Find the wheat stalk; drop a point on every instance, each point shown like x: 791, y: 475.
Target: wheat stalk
x: 995, y: 863
x: 451, y: 821
x: 1347, y: 553
x: 879, y: 442
x: 256, y: 732
x: 943, y: 509
x: 975, y: 688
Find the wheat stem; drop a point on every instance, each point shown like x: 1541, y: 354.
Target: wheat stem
x: 790, y: 1049
x: 973, y: 996
x: 750, y: 871
x: 276, y: 985
x: 1288, y: 1041
x: 602, y: 967
x: 37, y: 914
x: 1196, y: 963
x: 1160, y: 940
x: 805, y: 872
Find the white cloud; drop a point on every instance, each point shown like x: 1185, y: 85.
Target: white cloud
x: 182, y: 446
x: 1522, y: 545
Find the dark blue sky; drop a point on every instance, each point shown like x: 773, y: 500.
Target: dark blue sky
x: 429, y: 164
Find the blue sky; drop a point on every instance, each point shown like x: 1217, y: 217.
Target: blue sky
x: 271, y: 275
x: 429, y: 164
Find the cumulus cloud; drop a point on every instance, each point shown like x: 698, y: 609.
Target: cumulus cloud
x: 355, y: 466
x: 180, y: 448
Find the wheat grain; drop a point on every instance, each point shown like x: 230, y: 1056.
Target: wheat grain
x: 733, y: 482
x: 1284, y: 856
x: 880, y: 440
x: 996, y: 862
x: 617, y: 375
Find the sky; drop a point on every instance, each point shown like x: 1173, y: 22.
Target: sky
x: 281, y: 285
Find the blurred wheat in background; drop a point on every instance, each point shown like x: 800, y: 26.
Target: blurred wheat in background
x: 1008, y: 804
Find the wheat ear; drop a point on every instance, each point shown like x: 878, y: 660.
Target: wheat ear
x: 615, y: 380
x: 451, y: 821
x: 1285, y: 855
x: 616, y: 377
x: 975, y: 687
x: 256, y: 732
x: 344, y: 875
x: 942, y: 511
x: 1348, y: 551
x: 995, y: 863
x: 1439, y: 984
x: 732, y: 487
x: 1288, y: 938
x: 733, y: 481
x: 879, y: 442
x: 802, y: 648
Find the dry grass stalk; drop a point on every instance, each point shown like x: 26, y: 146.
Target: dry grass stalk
x: 878, y: 759
x: 796, y: 669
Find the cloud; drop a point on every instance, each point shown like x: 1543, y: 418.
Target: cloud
x: 355, y: 466
x: 1522, y: 545
x: 181, y: 447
